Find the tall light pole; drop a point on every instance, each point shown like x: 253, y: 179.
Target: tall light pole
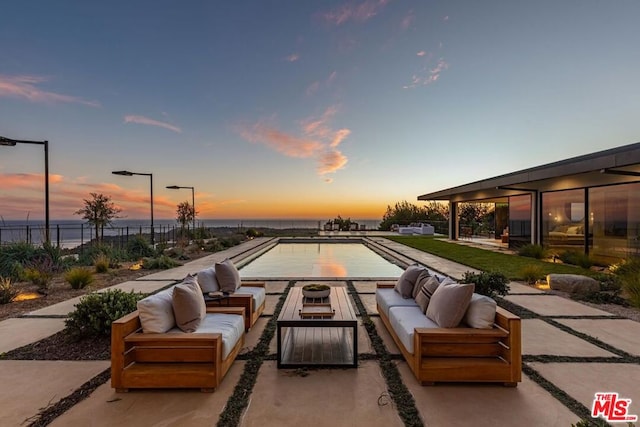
x: 193, y: 201
x: 150, y: 175
x: 7, y: 142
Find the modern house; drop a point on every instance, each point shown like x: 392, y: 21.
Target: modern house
x: 589, y: 203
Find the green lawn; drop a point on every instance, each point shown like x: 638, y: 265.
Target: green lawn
x: 485, y: 260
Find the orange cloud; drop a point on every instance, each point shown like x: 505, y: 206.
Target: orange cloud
x: 26, y: 87
x: 319, y: 141
x: 286, y: 144
x: 151, y: 122
x: 331, y: 161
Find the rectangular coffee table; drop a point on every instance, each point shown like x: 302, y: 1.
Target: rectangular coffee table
x: 317, y: 340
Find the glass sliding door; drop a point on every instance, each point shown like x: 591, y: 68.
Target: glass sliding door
x: 563, y: 216
x: 519, y: 220
x: 614, y: 218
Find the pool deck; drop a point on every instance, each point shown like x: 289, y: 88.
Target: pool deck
x: 570, y: 352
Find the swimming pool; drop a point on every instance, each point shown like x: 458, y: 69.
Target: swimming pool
x: 320, y: 260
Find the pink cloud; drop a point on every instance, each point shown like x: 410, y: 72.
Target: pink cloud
x: 151, y: 122
x: 357, y: 12
x: 421, y: 53
x: 284, y: 143
x: 331, y: 161
x: 317, y: 141
x: 292, y: 58
x: 26, y: 87
x: 429, y: 76
x: 340, y: 136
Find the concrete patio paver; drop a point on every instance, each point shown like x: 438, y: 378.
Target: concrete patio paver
x: 553, y: 305
x: 519, y: 288
x: 145, y: 286
x: 18, y: 332
x: 60, y: 309
x: 539, y: 337
x: 167, y: 408
x: 481, y: 405
x: 31, y: 385
x: 582, y: 380
x: 323, y: 398
x: 623, y: 334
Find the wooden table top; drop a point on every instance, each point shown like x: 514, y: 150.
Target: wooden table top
x: 340, y: 302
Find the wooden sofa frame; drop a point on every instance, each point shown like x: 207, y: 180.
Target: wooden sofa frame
x: 245, y: 301
x: 465, y: 354
x: 181, y: 360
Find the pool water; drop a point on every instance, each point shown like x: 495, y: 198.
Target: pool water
x: 320, y: 260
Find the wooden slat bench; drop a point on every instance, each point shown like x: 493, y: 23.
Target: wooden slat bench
x: 169, y: 360
x: 465, y: 354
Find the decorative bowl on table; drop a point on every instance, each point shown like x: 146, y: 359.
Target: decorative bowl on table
x: 316, y: 291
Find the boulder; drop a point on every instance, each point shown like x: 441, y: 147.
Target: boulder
x: 573, y: 283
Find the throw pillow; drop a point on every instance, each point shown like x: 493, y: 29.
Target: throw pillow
x: 207, y: 280
x: 188, y: 306
x: 406, y: 281
x: 481, y: 312
x: 156, y: 312
x: 425, y: 292
x: 449, y: 304
x: 228, y: 276
x: 422, y: 278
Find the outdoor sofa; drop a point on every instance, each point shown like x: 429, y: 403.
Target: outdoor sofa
x: 449, y: 338
x: 174, y: 341
x: 223, y: 278
x: 419, y: 228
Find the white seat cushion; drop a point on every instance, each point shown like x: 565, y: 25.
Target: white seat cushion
x: 388, y: 297
x: 258, y: 293
x: 231, y: 326
x: 404, y: 320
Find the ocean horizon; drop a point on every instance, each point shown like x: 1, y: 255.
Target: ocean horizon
x: 71, y: 233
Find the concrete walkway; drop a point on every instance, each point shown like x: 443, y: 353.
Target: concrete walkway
x: 570, y: 352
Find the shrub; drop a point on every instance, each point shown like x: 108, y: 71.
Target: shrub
x: 101, y: 263
x: 13, y: 256
x: 213, y: 245
x: 79, y: 277
x: 629, y: 275
x: 40, y: 271
x: 89, y: 255
x: 96, y: 311
x: 532, y: 251
x: 490, y: 284
x: 138, y: 247
x: 7, y: 291
x: 531, y: 273
x: 576, y: 258
x: 162, y: 262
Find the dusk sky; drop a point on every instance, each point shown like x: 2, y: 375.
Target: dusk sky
x: 303, y: 109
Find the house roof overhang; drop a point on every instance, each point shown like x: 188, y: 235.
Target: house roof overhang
x: 613, y: 166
